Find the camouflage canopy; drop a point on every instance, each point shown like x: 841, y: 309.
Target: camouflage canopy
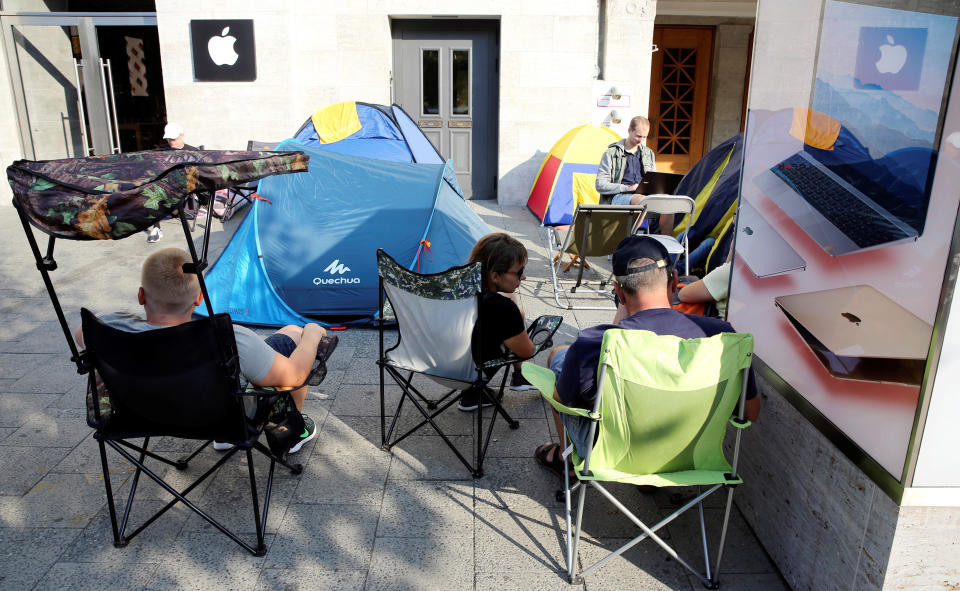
x: 115, y: 196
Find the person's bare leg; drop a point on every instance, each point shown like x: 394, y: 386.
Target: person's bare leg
x: 295, y: 332
x: 666, y: 224
x: 558, y: 425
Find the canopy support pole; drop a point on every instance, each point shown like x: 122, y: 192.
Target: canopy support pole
x: 45, y: 264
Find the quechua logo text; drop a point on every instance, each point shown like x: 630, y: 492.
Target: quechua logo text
x: 337, y: 270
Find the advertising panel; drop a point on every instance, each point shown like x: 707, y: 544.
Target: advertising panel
x: 847, y: 211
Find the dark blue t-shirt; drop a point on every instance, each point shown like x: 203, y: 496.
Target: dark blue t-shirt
x: 633, y: 171
x: 577, y: 384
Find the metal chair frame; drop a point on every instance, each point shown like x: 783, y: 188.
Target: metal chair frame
x: 583, y: 218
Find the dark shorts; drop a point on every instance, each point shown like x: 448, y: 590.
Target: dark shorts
x: 281, y: 343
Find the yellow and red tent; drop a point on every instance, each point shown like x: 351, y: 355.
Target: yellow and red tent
x: 568, y: 174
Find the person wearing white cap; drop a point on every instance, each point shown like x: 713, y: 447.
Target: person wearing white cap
x: 173, y: 135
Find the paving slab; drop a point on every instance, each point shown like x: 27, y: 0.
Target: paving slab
x: 310, y: 579
x: 423, y: 510
x: 85, y: 576
x: 52, y: 427
x: 26, y: 554
x: 334, y: 536
x: 344, y: 479
x: 427, y: 457
x: 421, y: 563
x: 23, y: 467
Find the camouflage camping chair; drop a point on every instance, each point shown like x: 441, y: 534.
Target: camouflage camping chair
x: 180, y: 381
x: 436, y: 315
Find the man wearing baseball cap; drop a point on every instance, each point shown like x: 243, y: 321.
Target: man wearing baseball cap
x: 644, y: 282
x: 173, y: 135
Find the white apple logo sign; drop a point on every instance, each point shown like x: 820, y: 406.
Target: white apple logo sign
x: 221, y: 48
x: 892, y: 57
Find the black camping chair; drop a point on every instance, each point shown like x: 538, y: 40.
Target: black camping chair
x: 436, y: 315
x: 182, y: 381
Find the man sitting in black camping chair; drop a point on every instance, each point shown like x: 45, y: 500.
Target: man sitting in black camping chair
x: 282, y: 360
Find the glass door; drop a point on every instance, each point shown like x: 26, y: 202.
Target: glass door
x: 85, y: 85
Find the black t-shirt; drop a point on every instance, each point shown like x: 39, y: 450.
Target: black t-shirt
x: 500, y: 319
x: 633, y: 171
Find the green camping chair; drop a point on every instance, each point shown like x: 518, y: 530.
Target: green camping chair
x: 660, y: 420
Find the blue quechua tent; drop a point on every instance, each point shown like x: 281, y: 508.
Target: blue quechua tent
x: 308, y: 250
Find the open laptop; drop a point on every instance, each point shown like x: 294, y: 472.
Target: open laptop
x: 858, y: 333
x: 764, y: 251
x: 837, y: 215
x: 659, y: 183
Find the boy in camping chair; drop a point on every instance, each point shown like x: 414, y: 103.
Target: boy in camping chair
x: 644, y: 283
x: 282, y: 360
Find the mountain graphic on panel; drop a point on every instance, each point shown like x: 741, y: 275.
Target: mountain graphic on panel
x: 881, y: 120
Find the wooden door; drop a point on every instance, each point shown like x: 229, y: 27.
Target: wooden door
x: 679, y: 91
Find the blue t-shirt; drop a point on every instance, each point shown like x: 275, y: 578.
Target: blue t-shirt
x: 577, y: 384
x: 633, y: 171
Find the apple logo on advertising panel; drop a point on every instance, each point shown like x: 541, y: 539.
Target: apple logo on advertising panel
x: 890, y: 58
x: 223, y: 50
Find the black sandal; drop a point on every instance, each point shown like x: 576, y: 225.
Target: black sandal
x: 554, y: 465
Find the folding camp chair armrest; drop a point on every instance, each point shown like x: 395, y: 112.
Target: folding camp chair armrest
x: 543, y: 379
x: 569, y: 410
x: 262, y: 391
x: 540, y: 331
x: 736, y: 422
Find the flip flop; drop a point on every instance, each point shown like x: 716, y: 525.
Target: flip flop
x: 326, y: 347
x: 324, y: 351
x: 554, y: 465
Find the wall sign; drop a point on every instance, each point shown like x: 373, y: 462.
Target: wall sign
x: 223, y: 50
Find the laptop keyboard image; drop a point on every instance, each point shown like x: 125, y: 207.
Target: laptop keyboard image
x: 858, y: 221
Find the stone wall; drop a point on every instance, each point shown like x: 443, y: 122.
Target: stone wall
x: 313, y: 54
x: 826, y: 524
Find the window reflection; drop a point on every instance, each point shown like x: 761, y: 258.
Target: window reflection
x: 461, y: 81
x: 431, y: 81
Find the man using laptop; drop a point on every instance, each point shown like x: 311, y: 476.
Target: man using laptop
x: 623, y: 165
x: 622, y: 168
x: 644, y: 282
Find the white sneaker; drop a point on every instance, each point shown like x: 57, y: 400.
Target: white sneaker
x: 154, y: 234
x: 220, y: 446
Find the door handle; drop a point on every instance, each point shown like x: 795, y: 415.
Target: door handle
x: 80, y: 106
x: 110, y: 103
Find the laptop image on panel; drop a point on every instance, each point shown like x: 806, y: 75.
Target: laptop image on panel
x: 838, y: 216
x: 858, y: 333
x: 764, y: 251
x: 659, y: 183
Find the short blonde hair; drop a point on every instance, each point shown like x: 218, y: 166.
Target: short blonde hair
x: 168, y: 290
x: 639, y: 120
